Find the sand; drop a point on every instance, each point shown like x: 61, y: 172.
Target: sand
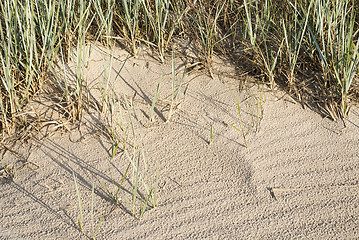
x: 297, y: 179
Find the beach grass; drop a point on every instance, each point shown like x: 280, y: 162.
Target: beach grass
x: 279, y: 37
x: 285, y: 42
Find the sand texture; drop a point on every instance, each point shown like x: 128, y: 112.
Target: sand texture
x: 298, y: 178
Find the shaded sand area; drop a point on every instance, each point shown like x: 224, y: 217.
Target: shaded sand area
x: 297, y: 179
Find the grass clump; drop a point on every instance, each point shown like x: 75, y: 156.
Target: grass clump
x: 79, y: 200
x: 141, y: 194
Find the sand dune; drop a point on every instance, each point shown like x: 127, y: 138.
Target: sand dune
x: 206, y: 191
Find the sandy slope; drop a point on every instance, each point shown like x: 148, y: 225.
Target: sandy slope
x: 217, y: 191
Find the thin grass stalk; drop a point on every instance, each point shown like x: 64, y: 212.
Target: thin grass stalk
x: 263, y: 36
x: 10, y: 48
x: 92, y: 209
x: 135, y: 147
x: 82, y: 26
x: 295, y: 29
x: 174, y: 90
x: 80, y: 220
x: 158, y: 22
x: 152, y: 189
x: 154, y: 103
x: 135, y: 187
x: 177, y: 23
x: 144, y: 204
x: 131, y: 9
x: 209, y: 33
x: 105, y: 15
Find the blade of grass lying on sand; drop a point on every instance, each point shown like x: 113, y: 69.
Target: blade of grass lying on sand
x: 154, y: 103
x: 241, y: 129
x: 94, y: 230
x: 174, y: 90
x: 80, y: 220
x: 255, y: 112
